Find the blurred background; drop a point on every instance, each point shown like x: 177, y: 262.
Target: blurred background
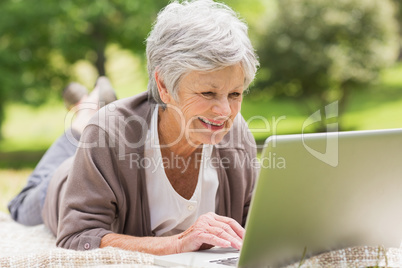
x: 312, y: 53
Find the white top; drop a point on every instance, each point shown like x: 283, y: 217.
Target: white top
x: 171, y: 213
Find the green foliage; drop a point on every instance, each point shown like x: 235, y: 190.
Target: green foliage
x: 40, y: 40
x: 84, y: 28
x: 398, y: 16
x: 25, y: 51
x: 317, y: 51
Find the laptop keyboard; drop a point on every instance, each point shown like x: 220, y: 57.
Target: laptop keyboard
x: 229, y: 261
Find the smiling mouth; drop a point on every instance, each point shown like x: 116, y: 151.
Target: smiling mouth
x: 211, y: 123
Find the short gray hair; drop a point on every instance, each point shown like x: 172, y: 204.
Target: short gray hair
x: 200, y: 35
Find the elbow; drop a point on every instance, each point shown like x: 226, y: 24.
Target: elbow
x: 82, y: 242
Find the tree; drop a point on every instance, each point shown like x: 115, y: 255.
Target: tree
x: 85, y: 28
x: 398, y: 14
x: 25, y: 53
x: 40, y: 40
x: 318, y: 51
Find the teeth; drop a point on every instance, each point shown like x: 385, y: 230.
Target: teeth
x: 209, y: 123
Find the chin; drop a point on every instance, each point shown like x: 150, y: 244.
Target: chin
x: 205, y: 136
x: 214, y: 139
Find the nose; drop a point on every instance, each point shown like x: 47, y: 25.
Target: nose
x: 222, y: 107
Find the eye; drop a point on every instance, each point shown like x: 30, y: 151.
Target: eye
x: 208, y: 94
x: 235, y: 95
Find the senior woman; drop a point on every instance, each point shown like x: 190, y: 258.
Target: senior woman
x: 168, y: 170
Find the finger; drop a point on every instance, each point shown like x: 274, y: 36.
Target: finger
x: 228, y: 229
x: 235, y: 242
x: 235, y: 226
x: 209, y: 238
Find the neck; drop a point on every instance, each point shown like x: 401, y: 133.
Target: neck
x: 171, y: 137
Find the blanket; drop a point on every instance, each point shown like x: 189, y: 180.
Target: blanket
x: 22, y: 246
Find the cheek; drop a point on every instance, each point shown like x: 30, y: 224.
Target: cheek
x: 194, y: 107
x: 235, y: 106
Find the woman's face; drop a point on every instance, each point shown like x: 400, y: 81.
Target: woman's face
x: 207, y: 103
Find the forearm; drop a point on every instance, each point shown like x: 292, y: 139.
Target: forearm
x: 151, y: 245
x: 209, y: 230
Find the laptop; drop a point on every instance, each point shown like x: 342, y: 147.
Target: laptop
x: 317, y: 193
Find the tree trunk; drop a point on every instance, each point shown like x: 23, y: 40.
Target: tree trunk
x: 100, y: 47
x: 2, y: 113
x: 100, y: 59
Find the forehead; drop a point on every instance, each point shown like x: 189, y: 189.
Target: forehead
x: 216, y: 79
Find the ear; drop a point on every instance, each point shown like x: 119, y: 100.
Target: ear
x: 163, y: 91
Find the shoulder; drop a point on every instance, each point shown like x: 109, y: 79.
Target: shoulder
x: 139, y: 105
x: 124, y: 113
x: 123, y: 123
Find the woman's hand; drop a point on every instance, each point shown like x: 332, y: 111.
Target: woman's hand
x: 208, y: 231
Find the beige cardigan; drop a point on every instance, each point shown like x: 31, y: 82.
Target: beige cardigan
x: 103, y: 189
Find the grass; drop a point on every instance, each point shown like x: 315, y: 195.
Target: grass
x: 30, y: 128
x: 377, y: 107
x: 29, y: 131
x: 11, y: 183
